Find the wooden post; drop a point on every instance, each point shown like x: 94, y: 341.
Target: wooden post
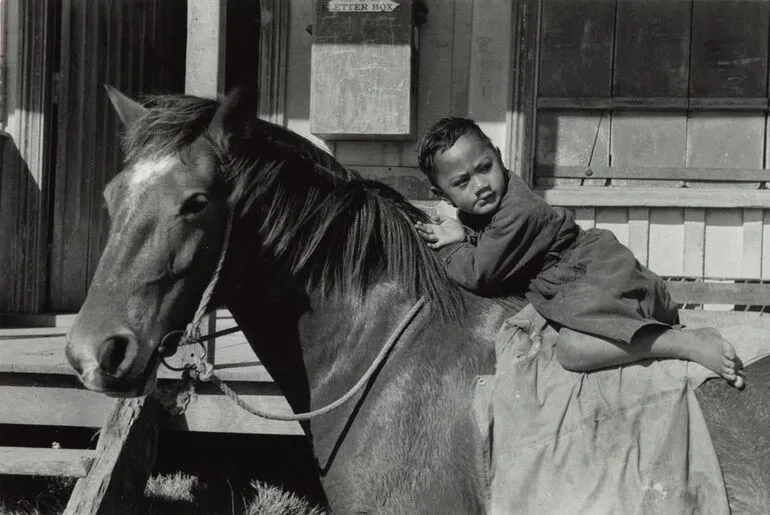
x: 205, y: 68
x: 125, y: 455
x: 205, y: 64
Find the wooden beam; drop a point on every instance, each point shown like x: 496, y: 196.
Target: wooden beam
x: 655, y: 197
x: 39, y: 461
x: 490, y: 95
x: 723, y: 175
x: 210, y: 412
x: 125, y: 455
x: 654, y: 103
x: 711, y: 318
x: 206, y: 36
x: 523, y: 81
x: 744, y: 294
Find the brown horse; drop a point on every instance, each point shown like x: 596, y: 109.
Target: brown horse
x: 321, y: 267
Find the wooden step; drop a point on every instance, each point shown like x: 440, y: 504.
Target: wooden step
x: 40, y: 461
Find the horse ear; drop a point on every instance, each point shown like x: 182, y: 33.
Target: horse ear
x: 128, y: 110
x: 235, y: 117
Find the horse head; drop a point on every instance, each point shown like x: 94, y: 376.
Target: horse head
x: 168, y: 210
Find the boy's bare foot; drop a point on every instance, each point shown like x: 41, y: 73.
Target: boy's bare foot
x: 717, y: 354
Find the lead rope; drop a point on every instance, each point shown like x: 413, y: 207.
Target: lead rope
x: 201, y: 370
x: 296, y: 417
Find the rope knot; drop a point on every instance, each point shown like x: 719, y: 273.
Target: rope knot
x: 203, y: 370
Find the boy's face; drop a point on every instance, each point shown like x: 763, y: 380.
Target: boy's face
x: 471, y: 176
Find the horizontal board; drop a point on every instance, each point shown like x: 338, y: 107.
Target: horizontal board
x: 649, y: 172
x: 696, y: 292
x: 36, y: 320
x: 41, y: 351
x: 52, y: 406
x: 38, y: 461
x: 710, y: 318
x: 655, y: 197
x: 654, y: 103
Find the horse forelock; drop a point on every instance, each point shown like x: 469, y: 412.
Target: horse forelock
x: 337, y: 231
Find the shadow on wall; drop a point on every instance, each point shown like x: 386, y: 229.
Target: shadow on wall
x: 20, y: 198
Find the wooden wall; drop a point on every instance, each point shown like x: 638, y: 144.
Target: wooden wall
x: 138, y: 47
x: 27, y: 51
x: 463, y: 61
x: 651, y: 120
x: 645, y: 117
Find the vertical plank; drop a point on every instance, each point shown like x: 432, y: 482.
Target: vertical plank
x: 489, y: 91
x: 614, y: 219
x: 298, y: 71
x: 125, y: 456
x: 639, y: 233
x: 273, y: 49
x: 461, y: 57
x: 766, y: 245
x: 723, y: 243
x: 666, y: 241
x: 525, y: 52
x: 205, y: 61
x: 751, y: 267
x: 694, y: 241
x: 737, y: 65
x: 435, y: 72
x: 72, y: 194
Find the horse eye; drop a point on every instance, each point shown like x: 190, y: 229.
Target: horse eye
x: 194, y: 204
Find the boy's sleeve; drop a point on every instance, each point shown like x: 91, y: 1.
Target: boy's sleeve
x: 518, y: 237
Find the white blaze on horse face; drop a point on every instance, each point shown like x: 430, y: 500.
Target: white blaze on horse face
x: 150, y: 169
x: 144, y: 174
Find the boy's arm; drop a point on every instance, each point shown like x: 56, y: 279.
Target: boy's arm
x: 517, y: 237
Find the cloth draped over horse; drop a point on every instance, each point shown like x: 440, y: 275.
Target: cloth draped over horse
x: 620, y: 440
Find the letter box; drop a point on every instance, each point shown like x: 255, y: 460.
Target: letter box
x: 363, y: 58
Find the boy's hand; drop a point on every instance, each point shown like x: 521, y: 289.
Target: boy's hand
x: 442, y: 231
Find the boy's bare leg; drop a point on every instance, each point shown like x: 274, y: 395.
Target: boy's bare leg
x: 582, y: 352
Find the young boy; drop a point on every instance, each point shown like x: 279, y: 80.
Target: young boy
x: 607, y: 307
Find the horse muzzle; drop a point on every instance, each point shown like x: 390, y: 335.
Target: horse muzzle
x: 111, y: 366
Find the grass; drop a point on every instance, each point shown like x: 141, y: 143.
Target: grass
x: 165, y: 494
x: 25, y: 495
x: 194, y: 474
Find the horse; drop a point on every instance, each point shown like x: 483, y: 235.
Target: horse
x: 319, y: 267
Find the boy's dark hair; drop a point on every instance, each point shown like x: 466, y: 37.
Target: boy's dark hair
x: 441, y: 136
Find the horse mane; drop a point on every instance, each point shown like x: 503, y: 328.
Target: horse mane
x: 336, y: 231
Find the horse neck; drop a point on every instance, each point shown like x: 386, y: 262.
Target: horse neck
x: 317, y: 345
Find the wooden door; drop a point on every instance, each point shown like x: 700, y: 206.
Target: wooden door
x: 137, y: 46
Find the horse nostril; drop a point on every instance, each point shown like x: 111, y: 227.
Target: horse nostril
x: 117, y: 354
x: 73, y: 360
